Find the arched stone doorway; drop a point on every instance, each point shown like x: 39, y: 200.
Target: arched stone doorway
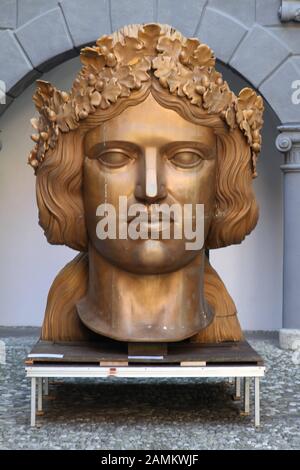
x: 36, y: 36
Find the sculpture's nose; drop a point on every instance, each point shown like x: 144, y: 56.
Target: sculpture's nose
x: 151, y: 186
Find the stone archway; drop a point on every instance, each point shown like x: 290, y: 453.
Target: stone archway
x: 251, y: 40
x: 35, y: 37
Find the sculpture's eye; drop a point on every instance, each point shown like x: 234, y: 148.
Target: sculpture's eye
x: 186, y: 158
x: 114, y: 158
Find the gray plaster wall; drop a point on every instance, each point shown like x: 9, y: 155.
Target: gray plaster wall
x: 36, y: 35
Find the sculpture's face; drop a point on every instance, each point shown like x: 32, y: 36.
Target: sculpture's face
x: 151, y: 155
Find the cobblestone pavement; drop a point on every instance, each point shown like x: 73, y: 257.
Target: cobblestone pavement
x: 150, y: 414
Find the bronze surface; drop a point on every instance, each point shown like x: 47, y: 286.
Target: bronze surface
x: 149, y: 118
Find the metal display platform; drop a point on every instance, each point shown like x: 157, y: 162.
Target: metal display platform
x: 110, y: 359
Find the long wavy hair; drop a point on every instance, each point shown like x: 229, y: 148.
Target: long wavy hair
x: 61, y: 213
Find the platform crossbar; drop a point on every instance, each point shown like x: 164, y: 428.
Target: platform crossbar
x: 41, y: 372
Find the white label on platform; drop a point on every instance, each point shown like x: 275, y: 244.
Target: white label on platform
x: 58, y: 356
x: 158, y: 358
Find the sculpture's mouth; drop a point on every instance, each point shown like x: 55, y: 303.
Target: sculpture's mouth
x: 156, y: 227
x: 153, y: 220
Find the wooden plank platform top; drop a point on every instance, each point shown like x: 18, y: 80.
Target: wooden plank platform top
x: 96, y: 352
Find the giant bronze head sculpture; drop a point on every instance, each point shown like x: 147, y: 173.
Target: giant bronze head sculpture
x: 148, y: 123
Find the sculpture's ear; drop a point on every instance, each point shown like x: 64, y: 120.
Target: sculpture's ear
x: 59, y: 193
x: 236, y: 211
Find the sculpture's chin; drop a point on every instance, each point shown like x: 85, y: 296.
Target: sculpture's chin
x: 146, y: 256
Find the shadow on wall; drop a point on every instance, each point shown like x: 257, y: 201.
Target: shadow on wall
x: 252, y: 271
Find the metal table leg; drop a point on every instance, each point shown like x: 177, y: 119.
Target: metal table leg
x: 46, y: 386
x: 237, y: 395
x: 257, y: 402
x: 33, y: 401
x: 246, y: 395
x: 40, y: 394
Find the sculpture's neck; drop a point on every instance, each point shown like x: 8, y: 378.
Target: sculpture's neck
x: 137, y: 307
